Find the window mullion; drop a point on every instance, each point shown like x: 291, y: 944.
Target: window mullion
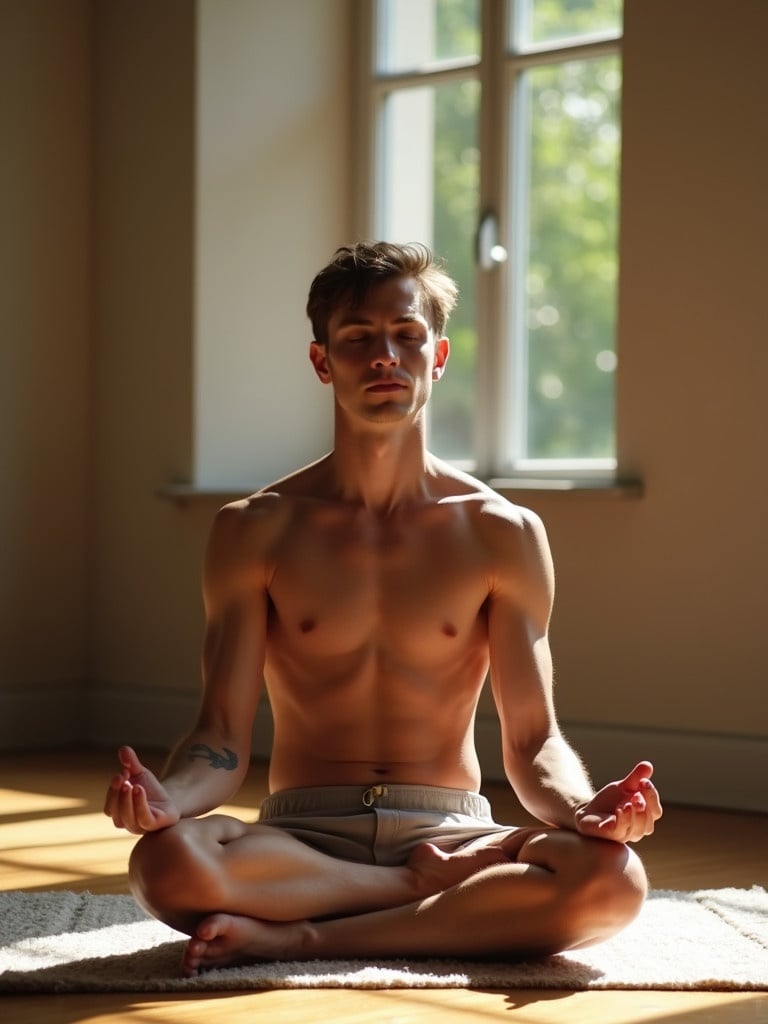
x: 491, y: 281
x: 365, y: 118
x: 512, y: 446
x: 513, y: 381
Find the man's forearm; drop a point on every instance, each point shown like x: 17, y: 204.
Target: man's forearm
x: 203, y: 772
x: 551, y: 782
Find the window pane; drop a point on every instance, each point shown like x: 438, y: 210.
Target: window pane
x: 569, y: 256
x: 417, y: 33
x: 428, y: 192
x: 548, y: 21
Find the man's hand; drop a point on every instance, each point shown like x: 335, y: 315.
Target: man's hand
x: 136, y: 801
x: 623, y: 811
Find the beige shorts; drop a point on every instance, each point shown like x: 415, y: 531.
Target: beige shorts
x: 381, y: 824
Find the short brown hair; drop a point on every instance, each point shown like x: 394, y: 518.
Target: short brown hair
x: 355, y: 269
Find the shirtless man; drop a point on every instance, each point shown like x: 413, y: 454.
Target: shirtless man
x: 373, y: 591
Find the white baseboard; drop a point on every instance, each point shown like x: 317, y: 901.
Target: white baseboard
x: 700, y: 769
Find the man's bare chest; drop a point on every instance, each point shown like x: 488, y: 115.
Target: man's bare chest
x: 347, y: 584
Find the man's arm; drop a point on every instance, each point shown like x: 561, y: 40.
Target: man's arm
x: 542, y: 767
x: 209, y: 764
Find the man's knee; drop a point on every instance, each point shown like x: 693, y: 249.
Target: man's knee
x: 173, y: 874
x: 598, y: 886
x: 611, y: 893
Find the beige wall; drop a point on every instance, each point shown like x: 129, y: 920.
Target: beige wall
x: 45, y: 366
x: 143, y: 272
x: 658, y: 636
x: 694, y: 364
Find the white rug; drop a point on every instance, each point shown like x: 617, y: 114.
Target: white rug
x: 77, y: 942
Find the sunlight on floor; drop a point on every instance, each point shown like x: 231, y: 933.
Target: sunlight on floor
x: 42, y: 847
x: 33, y: 803
x: 447, y: 1007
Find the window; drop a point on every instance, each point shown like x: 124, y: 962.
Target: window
x: 493, y: 135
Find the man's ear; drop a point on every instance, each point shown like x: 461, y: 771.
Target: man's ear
x: 318, y: 356
x: 442, y: 351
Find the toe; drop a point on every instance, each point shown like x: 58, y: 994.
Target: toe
x: 210, y: 928
x: 190, y: 964
x: 195, y: 948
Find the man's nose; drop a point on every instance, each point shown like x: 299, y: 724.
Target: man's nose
x: 385, y: 352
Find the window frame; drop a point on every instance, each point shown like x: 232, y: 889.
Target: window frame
x: 500, y: 349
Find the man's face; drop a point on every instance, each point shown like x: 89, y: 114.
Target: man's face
x: 382, y: 356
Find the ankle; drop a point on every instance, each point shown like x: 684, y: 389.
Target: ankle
x: 306, y: 944
x: 424, y: 874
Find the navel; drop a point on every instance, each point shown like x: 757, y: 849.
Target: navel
x: 450, y: 630
x: 307, y: 625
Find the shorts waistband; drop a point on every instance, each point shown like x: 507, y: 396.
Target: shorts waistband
x: 359, y: 799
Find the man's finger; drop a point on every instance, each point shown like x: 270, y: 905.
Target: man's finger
x: 129, y: 760
x: 109, y: 799
x: 128, y: 808
x: 141, y: 813
x: 642, y: 770
x: 111, y: 809
x: 652, y: 799
x: 607, y: 823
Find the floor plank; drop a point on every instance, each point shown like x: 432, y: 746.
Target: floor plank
x: 53, y: 835
x: 447, y: 1006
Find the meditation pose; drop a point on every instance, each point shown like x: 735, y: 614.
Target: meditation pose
x: 372, y: 592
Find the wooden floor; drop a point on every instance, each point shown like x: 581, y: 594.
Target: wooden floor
x: 54, y: 836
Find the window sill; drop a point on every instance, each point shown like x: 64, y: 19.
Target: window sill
x: 183, y: 493
x: 609, y: 487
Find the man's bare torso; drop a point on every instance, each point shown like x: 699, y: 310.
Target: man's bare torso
x: 377, y: 632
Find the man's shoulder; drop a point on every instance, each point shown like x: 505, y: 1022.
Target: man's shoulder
x: 512, y: 534
x: 305, y: 484
x: 512, y: 537
x: 246, y: 531
x: 245, y: 515
x: 271, y: 504
x: 250, y: 530
x: 490, y: 509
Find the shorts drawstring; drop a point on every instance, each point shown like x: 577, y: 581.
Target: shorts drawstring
x: 372, y: 794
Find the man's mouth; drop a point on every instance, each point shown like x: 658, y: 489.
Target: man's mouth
x: 386, y: 385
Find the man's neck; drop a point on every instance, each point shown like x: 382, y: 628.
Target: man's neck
x: 382, y: 470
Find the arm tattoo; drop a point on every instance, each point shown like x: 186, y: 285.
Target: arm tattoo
x: 227, y: 760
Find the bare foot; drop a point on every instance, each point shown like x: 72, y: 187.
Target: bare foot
x: 225, y: 940
x: 438, y: 870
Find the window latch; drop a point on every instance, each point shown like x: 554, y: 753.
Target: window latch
x: 490, y: 252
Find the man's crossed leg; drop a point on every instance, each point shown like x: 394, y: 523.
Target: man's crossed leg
x: 254, y: 892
